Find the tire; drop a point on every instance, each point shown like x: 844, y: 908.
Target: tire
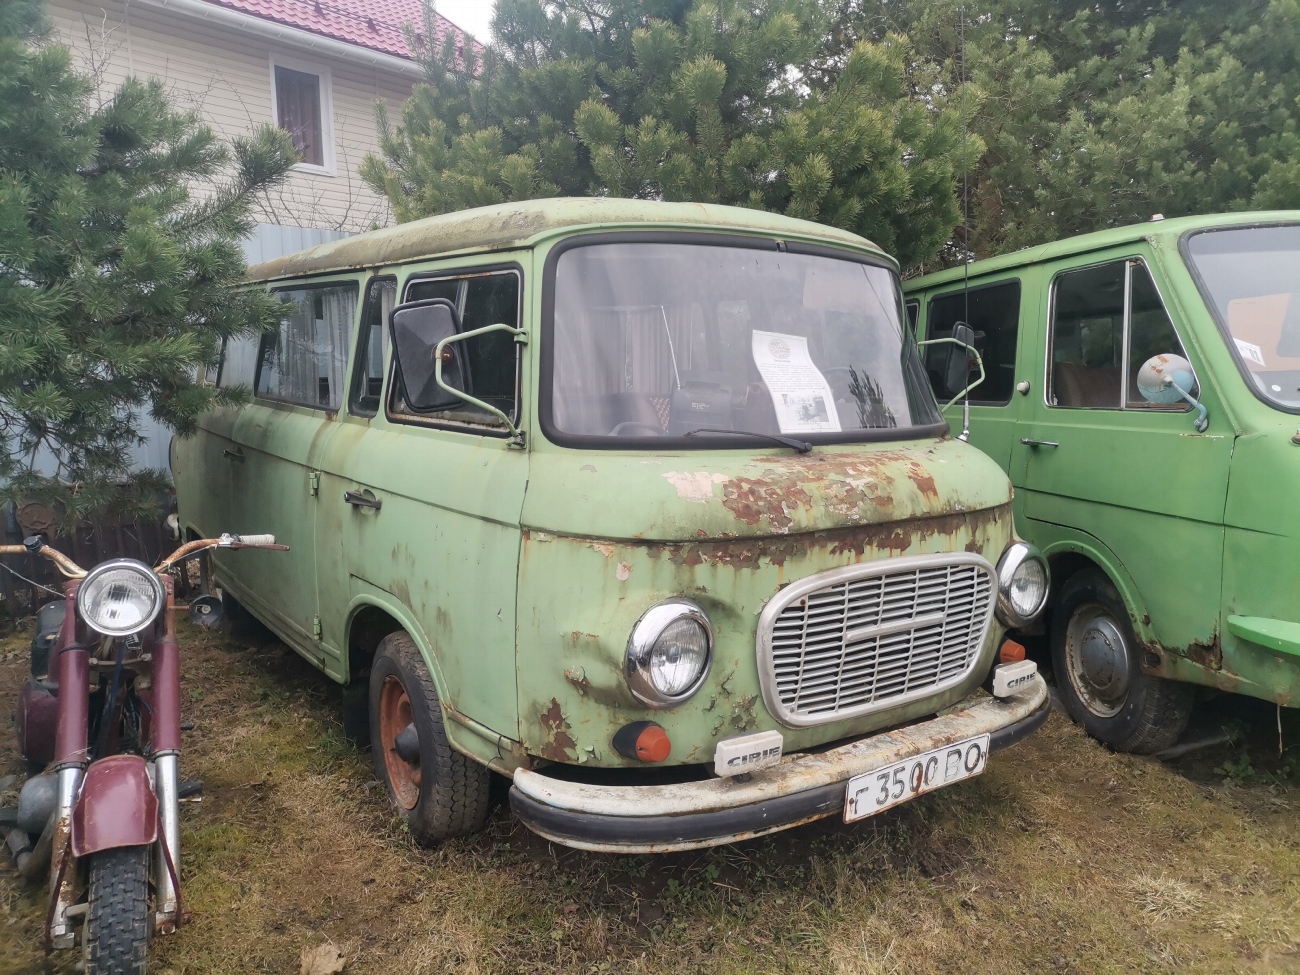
x: 441, y: 793
x: 1097, y: 660
x: 118, y: 923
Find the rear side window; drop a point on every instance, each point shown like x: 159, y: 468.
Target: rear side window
x: 238, y: 362
x: 493, y: 359
x: 304, y: 360
x: 1089, y: 367
x: 993, y: 312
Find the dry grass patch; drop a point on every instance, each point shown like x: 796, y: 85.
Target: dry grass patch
x: 1062, y: 858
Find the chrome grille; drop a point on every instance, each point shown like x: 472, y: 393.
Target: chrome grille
x: 866, y: 637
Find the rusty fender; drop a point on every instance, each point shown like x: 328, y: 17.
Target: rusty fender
x: 803, y: 787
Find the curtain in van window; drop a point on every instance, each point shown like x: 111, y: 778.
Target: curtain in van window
x: 304, y: 361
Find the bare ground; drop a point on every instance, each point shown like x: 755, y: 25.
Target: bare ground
x: 1064, y: 857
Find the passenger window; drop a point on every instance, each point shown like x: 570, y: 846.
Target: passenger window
x: 492, y: 359
x: 913, y: 309
x: 993, y: 312
x: 1087, y: 354
x: 372, y: 347
x: 238, y: 362
x: 303, y: 361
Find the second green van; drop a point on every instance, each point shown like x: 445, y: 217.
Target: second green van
x: 1142, y: 390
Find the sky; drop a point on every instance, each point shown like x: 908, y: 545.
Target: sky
x: 474, y: 16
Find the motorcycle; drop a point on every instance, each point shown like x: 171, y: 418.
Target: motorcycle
x: 101, y: 713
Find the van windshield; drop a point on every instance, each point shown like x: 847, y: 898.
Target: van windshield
x: 1249, y: 277
x: 670, y: 343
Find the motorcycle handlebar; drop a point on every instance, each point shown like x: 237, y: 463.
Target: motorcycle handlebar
x: 73, y: 571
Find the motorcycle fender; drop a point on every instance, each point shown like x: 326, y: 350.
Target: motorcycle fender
x: 117, y: 807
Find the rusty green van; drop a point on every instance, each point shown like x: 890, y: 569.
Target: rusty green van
x: 646, y: 506
x: 1143, y: 394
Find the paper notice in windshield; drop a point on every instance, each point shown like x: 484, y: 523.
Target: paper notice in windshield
x: 800, y: 392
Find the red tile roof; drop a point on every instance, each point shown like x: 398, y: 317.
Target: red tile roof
x: 373, y: 24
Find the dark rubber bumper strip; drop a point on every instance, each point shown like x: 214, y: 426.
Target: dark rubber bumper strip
x: 757, y: 817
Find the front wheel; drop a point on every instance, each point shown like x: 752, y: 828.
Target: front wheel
x: 117, y: 923
x: 1095, y: 654
x: 438, y: 791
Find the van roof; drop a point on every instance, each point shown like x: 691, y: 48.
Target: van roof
x: 512, y: 225
x: 1167, y: 231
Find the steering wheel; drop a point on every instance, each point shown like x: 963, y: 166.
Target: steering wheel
x: 636, y: 427
x: 842, y: 372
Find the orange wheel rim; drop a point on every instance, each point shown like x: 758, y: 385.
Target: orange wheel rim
x: 394, y: 717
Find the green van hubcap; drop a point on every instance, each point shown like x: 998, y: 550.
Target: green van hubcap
x: 1098, y: 658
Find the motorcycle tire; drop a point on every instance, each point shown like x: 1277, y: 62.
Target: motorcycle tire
x: 117, y: 922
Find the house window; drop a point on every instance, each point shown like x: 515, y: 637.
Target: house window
x: 302, y: 108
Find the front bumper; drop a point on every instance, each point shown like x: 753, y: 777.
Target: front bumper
x: 802, y: 788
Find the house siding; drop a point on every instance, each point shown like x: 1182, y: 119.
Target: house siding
x: 226, y: 77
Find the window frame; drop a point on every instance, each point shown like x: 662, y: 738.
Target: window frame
x: 1018, y: 280
x: 432, y: 420
x: 325, y: 95
x: 359, y: 353
x: 1123, y: 406
x: 348, y: 351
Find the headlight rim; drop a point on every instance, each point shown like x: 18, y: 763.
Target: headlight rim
x: 1016, y: 555
x: 156, y: 584
x: 640, y: 644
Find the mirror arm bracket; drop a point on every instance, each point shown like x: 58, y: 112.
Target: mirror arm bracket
x: 1202, y: 422
x: 520, y: 336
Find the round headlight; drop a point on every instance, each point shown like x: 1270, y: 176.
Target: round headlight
x: 1023, y: 582
x: 668, y: 653
x: 120, y: 597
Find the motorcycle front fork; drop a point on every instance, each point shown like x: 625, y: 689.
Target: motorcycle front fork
x: 167, y: 785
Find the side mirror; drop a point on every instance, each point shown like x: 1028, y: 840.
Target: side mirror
x: 417, y: 328
x: 956, y: 371
x: 1167, y: 379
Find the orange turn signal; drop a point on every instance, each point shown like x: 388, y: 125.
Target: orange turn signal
x: 646, y: 741
x: 1011, y: 652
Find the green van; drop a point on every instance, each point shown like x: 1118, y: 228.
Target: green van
x: 1142, y: 390
x: 646, y: 506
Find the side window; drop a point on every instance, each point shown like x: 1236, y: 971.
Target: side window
x: 1088, y: 367
x: 303, y: 361
x: 372, y: 347
x: 913, y: 309
x: 993, y: 312
x: 492, y: 359
x: 238, y: 362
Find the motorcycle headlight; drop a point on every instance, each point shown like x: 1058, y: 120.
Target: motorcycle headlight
x: 120, y: 597
x: 1023, y: 581
x: 669, y: 653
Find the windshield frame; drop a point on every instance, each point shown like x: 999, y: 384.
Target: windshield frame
x: 1212, y: 306
x: 708, y: 238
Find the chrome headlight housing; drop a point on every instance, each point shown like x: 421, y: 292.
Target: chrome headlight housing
x: 1023, y: 583
x: 120, y: 597
x: 669, y: 653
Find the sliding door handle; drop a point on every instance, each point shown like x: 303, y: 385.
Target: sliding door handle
x: 358, y: 500
x: 1031, y: 442
x: 233, y: 453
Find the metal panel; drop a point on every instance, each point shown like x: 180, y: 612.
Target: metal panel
x: 866, y: 637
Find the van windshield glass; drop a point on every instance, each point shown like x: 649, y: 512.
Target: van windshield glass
x: 660, y: 340
x: 1248, y: 274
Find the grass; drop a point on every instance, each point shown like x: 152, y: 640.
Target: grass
x: 1063, y: 857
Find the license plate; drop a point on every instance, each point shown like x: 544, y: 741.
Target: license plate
x: 878, y: 790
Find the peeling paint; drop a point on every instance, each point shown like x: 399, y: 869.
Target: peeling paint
x: 559, y: 742
x: 623, y: 572
x: 694, y: 486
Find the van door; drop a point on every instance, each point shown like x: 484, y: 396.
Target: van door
x: 297, y: 392
x: 992, y: 309
x: 1095, y: 456
x: 422, y: 510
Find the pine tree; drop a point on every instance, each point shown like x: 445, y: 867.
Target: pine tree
x: 703, y: 100
x: 1099, y: 114
x: 119, y: 255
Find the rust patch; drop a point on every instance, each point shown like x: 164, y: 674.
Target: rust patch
x: 752, y: 500
x: 1206, y: 654
x: 924, y: 482
x: 856, y: 542
x: 559, y: 743
x: 742, y: 714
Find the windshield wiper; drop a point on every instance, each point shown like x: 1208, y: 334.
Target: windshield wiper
x: 803, y: 446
